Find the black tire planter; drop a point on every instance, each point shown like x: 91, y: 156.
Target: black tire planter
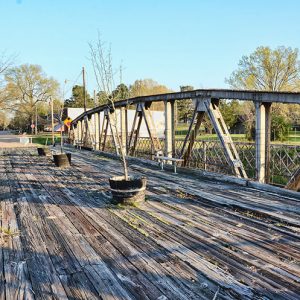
x: 128, y: 192
x: 62, y: 160
x: 69, y: 157
x: 43, y: 151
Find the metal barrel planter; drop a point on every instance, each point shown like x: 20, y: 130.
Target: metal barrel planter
x: 43, y: 151
x: 62, y: 160
x: 128, y: 192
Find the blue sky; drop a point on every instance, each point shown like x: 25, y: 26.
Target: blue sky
x: 174, y: 42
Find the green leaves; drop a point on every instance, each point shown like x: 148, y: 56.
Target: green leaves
x: 269, y: 70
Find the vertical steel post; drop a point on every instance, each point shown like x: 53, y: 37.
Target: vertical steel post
x: 168, y: 129
x: 123, y: 112
x: 262, y: 141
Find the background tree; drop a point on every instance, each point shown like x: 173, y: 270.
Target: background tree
x: 121, y: 92
x: 77, y: 98
x: 6, y: 62
x: 231, y: 111
x: 26, y: 86
x: 101, y: 98
x: 145, y: 87
x: 270, y: 70
x: 185, y: 108
x: 4, y: 121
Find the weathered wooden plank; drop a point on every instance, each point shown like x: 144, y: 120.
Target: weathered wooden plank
x: 15, y: 282
x: 219, y: 234
x: 236, y: 261
x: 45, y: 282
x: 84, y: 252
x: 237, y: 202
x: 83, y: 224
x: 166, y: 248
x: 223, y: 220
x: 120, y: 243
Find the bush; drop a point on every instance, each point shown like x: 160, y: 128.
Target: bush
x: 279, y: 128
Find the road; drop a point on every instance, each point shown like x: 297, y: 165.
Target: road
x: 12, y: 141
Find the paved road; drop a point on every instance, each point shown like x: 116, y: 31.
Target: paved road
x: 13, y: 141
x: 10, y: 138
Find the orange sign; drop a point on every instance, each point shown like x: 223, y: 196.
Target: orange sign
x: 67, y: 122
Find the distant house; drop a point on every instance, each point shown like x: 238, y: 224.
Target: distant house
x: 73, y: 112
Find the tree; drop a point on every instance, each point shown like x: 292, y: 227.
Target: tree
x: 4, y: 122
x: 269, y: 70
x: 103, y: 69
x: 27, y: 85
x: 5, y: 63
x: 77, y: 98
x: 185, y: 107
x: 121, y: 92
x: 145, y: 87
x: 231, y: 111
x: 279, y: 128
x: 101, y: 98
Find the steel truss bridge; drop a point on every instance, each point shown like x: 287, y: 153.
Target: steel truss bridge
x: 206, y: 101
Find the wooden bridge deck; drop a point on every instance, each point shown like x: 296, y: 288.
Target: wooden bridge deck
x: 192, y: 239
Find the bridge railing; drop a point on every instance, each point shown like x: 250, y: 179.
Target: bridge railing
x: 209, y: 155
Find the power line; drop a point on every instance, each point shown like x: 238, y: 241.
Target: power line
x: 74, y: 82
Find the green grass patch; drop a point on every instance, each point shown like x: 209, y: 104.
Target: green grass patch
x: 45, y: 139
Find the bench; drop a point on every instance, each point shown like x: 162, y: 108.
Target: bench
x: 162, y: 159
x: 78, y: 144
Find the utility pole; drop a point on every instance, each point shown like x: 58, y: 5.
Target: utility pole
x: 95, y: 104
x: 36, y: 119
x: 84, y: 92
x: 52, y: 121
x: 84, y: 104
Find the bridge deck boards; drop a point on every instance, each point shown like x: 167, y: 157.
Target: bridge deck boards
x: 61, y: 238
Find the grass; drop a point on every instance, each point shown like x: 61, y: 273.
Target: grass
x: 45, y: 139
